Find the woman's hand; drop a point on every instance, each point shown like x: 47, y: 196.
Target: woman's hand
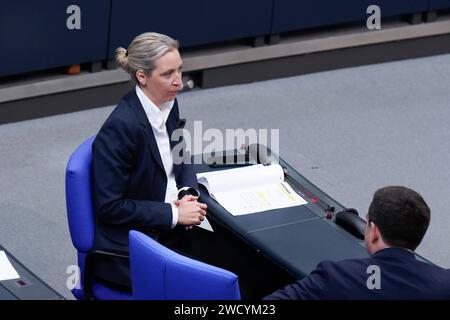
x: 190, y: 211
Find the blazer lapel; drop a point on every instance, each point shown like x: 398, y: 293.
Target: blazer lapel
x: 153, y: 146
x: 171, y: 124
x: 142, y: 118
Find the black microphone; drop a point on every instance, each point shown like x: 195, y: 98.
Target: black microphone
x: 349, y: 220
x: 254, y: 154
x: 188, y: 191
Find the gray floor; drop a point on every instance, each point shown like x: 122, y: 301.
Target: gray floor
x: 349, y: 131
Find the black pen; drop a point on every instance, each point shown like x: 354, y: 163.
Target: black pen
x: 235, y: 164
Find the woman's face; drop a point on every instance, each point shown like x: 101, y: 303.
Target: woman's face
x: 165, y: 80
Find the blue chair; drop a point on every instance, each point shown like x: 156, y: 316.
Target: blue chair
x: 80, y: 213
x: 159, y: 273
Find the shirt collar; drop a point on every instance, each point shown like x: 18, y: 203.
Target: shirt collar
x: 395, y: 251
x: 156, y: 116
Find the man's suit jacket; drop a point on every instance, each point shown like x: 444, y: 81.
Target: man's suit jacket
x: 129, y: 181
x: 401, y: 277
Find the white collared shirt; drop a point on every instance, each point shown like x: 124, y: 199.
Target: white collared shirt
x: 157, y: 118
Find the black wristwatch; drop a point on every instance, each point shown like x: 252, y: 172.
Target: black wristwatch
x: 188, y: 191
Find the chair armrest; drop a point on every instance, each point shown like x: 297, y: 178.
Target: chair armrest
x: 88, y: 267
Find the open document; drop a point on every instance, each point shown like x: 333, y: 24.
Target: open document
x: 7, y: 271
x: 250, y: 189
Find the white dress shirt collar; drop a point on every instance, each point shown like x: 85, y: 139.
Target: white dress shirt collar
x: 156, y: 116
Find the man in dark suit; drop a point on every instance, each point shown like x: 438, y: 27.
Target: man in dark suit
x: 135, y: 178
x: 397, y: 220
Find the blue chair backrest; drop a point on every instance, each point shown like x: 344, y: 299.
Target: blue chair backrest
x: 80, y: 214
x: 80, y: 209
x: 159, y: 273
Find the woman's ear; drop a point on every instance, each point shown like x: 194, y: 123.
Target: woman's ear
x: 141, y: 78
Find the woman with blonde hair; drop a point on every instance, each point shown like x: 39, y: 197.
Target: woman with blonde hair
x: 135, y: 180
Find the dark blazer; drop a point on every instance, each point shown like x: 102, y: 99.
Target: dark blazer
x: 401, y: 277
x: 129, y: 181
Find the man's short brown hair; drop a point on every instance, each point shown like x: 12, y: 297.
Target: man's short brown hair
x: 401, y: 214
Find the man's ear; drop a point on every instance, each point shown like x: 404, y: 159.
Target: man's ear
x: 141, y: 78
x: 374, y: 233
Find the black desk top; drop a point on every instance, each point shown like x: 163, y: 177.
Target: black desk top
x: 27, y: 287
x: 5, y: 295
x: 300, y: 246
x: 295, y: 238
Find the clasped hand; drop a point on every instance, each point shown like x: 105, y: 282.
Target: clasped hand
x: 190, y: 211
